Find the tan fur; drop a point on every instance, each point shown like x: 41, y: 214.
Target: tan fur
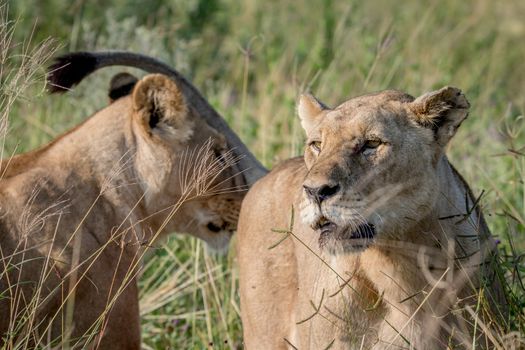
x: 76, y: 215
x: 383, y: 166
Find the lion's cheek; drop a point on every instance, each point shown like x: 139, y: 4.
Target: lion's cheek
x: 401, y: 213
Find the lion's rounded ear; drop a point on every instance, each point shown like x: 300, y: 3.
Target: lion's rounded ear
x: 309, y: 110
x: 161, y: 108
x: 121, y: 85
x: 443, y: 111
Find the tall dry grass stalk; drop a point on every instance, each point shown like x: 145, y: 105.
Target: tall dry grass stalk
x: 21, y: 67
x: 21, y: 74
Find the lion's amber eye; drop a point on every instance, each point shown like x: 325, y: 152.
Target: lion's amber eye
x: 220, y: 158
x: 372, y: 144
x: 316, y: 146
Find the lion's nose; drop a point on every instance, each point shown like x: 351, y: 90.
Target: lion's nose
x: 321, y: 193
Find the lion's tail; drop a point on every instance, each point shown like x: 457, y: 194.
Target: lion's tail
x: 70, y: 69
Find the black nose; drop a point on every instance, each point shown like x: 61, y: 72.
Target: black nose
x: 321, y: 193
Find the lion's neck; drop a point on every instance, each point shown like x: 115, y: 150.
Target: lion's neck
x: 457, y: 218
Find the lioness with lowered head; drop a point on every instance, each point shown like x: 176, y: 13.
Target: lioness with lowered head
x: 387, y: 248
x: 76, y: 214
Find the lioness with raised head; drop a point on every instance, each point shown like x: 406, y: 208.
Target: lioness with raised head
x: 387, y: 247
x: 76, y: 213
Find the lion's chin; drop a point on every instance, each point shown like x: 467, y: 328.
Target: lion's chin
x: 218, y: 243
x: 342, y: 240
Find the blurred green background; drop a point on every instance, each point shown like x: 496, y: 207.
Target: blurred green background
x: 251, y: 59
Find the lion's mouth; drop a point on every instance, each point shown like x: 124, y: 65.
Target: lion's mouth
x: 325, y: 226
x: 360, y: 235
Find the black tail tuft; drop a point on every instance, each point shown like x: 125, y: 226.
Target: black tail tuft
x: 68, y: 70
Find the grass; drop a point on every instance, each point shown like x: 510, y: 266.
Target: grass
x: 251, y: 59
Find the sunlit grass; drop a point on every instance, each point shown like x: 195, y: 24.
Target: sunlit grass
x: 252, y: 59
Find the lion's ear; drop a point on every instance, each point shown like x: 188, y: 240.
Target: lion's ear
x: 443, y: 111
x: 121, y: 85
x: 161, y: 108
x: 309, y: 110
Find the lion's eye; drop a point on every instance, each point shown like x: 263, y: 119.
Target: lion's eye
x: 221, y: 159
x: 371, y: 144
x: 316, y: 146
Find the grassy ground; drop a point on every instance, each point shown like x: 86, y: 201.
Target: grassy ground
x: 251, y: 59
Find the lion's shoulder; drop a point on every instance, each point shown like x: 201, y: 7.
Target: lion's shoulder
x: 283, y: 178
x: 275, y: 193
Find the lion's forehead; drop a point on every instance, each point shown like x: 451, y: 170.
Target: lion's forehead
x: 377, y: 99
x: 380, y: 121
